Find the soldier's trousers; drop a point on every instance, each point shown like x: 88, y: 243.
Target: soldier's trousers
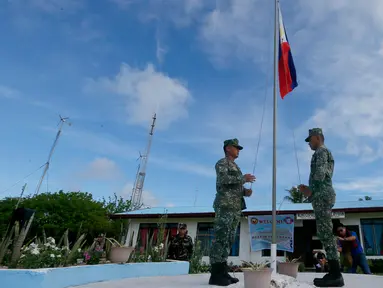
x: 225, y: 227
x: 322, y: 205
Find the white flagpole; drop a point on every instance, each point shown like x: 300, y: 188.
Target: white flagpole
x: 274, y: 177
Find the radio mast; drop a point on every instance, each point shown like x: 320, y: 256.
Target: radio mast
x: 63, y: 120
x: 141, y: 172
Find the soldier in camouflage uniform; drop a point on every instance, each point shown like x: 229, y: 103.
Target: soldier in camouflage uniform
x: 322, y: 196
x: 228, y: 206
x: 181, y: 246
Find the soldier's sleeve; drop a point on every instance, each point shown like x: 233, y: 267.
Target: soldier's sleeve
x: 225, y: 177
x: 320, y: 168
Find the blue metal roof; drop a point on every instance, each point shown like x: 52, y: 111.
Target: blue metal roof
x: 259, y: 208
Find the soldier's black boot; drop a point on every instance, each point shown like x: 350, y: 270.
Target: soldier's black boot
x: 218, y: 275
x: 231, y: 278
x: 333, y: 279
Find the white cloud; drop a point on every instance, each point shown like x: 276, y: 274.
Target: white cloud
x: 239, y: 29
x: 180, y: 13
x: 108, y: 146
x: 369, y: 185
x: 336, y: 43
x: 148, y: 91
x: 148, y: 198
x: 336, y: 46
x: 161, y: 50
x: 345, y: 61
x: 101, y: 143
x: 101, y: 169
x: 8, y: 92
x: 185, y: 166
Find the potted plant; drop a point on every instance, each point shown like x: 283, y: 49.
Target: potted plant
x: 119, y: 253
x: 257, y: 275
x: 289, y: 267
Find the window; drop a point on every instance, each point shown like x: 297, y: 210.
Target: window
x: 372, y: 236
x: 205, y: 234
x: 148, y: 231
x: 267, y: 253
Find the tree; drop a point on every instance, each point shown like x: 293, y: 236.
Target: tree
x: 367, y: 198
x: 116, y: 204
x: 295, y: 196
x: 56, y: 212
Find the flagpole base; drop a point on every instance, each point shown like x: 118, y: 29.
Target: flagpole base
x: 273, y: 253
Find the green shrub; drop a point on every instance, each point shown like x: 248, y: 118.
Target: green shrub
x: 302, y: 267
x: 376, y: 266
x: 196, y: 264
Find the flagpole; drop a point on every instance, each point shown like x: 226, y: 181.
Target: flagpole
x: 274, y: 177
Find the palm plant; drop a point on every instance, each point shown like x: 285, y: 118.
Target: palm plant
x: 295, y: 196
x: 250, y: 266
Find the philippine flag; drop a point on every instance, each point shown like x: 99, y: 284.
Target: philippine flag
x: 286, y: 68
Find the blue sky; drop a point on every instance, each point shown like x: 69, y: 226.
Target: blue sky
x: 205, y: 67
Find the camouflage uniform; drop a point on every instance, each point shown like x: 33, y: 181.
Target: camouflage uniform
x: 181, y: 248
x: 228, y: 205
x: 323, y: 196
x: 323, y: 199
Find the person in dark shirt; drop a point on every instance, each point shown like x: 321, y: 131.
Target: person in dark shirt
x: 320, y: 262
x: 181, y: 246
x: 350, y: 239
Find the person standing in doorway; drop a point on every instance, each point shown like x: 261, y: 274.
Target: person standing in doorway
x: 350, y: 239
x: 321, y: 194
x: 228, y: 206
x: 181, y: 246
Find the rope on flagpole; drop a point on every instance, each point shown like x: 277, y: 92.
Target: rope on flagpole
x: 296, y: 159
x: 263, y: 116
x: 260, y: 130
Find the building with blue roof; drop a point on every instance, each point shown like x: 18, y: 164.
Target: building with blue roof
x: 363, y: 217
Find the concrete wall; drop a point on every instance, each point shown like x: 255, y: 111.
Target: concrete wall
x: 245, y: 253
x: 81, y: 275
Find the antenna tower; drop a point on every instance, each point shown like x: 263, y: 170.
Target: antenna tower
x: 141, y: 173
x: 63, y: 120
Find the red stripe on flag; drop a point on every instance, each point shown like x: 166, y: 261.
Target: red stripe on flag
x: 285, y: 81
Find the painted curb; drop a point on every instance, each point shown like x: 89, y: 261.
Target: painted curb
x: 81, y: 275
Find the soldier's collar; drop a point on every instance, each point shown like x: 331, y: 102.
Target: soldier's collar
x: 228, y: 159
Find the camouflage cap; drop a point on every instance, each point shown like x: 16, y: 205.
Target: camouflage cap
x: 314, y: 132
x: 182, y: 226
x: 232, y: 142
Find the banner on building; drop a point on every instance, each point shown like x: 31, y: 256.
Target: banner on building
x: 260, y: 230
x: 311, y: 216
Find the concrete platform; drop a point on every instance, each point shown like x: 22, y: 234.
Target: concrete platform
x: 82, y: 275
x: 201, y: 280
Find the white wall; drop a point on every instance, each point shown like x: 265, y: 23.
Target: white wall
x: 244, y: 247
x: 245, y: 253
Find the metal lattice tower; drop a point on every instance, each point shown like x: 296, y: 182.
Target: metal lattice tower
x: 63, y: 120
x: 141, y: 172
